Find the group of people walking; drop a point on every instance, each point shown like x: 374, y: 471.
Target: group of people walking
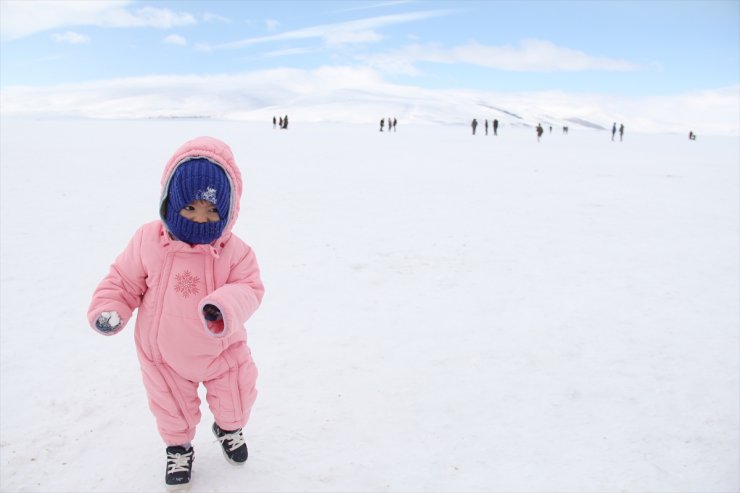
x: 540, y: 130
x: 283, y: 122
x: 621, y: 131
x: 392, y: 122
x: 494, y: 124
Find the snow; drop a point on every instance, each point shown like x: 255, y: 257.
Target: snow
x: 443, y: 312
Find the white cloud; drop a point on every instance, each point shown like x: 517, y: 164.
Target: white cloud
x: 174, y: 39
x: 22, y: 18
x: 211, y: 17
x: 146, y: 17
x: 281, y: 53
x: 531, y: 55
x: 70, y: 37
x: 340, y: 38
x: 272, y: 24
x: 357, y: 31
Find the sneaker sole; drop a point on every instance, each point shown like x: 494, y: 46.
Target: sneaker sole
x: 178, y: 487
x: 232, y: 462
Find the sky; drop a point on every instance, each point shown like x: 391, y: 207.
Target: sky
x: 632, y: 49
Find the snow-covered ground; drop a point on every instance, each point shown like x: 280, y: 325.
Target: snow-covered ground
x: 443, y: 312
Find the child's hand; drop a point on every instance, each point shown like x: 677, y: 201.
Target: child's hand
x: 212, y: 313
x: 108, y: 321
x: 214, y: 319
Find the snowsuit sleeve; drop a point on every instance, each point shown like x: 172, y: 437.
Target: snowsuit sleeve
x: 123, y: 288
x: 238, y: 299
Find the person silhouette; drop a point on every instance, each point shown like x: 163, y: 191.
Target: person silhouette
x: 614, y: 130
x: 495, y: 127
x: 540, y: 131
x: 621, y: 132
x: 474, y: 124
x: 382, y: 124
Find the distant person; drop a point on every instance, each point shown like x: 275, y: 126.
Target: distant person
x: 285, y: 122
x: 390, y: 125
x: 621, y: 132
x: 495, y: 127
x: 395, y: 122
x: 281, y: 122
x: 540, y: 131
x: 382, y: 124
x: 486, y: 126
x: 274, y: 122
x: 692, y: 135
x: 614, y: 130
x: 565, y: 130
x: 195, y: 284
x: 550, y: 128
x: 474, y: 124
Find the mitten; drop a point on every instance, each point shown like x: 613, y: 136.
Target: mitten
x: 108, y: 321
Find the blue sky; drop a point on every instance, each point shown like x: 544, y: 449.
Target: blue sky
x: 631, y: 48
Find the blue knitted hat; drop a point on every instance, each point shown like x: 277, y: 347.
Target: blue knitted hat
x: 197, y: 179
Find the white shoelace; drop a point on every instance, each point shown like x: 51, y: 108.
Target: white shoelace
x: 178, y: 462
x: 236, y: 438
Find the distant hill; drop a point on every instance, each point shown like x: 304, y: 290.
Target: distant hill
x: 348, y: 96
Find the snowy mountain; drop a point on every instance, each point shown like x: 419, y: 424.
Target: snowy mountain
x: 357, y: 96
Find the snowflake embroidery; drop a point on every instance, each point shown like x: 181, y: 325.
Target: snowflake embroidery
x: 209, y: 194
x: 186, y: 284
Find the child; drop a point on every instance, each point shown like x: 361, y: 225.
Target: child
x: 195, y: 285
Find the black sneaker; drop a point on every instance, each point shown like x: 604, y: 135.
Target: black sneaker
x: 232, y: 443
x: 179, y: 466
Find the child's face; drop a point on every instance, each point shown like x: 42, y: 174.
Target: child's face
x: 200, y: 211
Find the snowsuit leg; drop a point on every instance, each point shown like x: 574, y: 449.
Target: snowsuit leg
x: 173, y: 400
x: 231, y: 394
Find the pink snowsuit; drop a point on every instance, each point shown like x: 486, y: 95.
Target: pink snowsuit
x: 170, y: 282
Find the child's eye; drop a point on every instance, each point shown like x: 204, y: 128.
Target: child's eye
x: 214, y: 210
x: 189, y: 208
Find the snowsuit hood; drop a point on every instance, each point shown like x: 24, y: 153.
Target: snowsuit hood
x: 219, y: 153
